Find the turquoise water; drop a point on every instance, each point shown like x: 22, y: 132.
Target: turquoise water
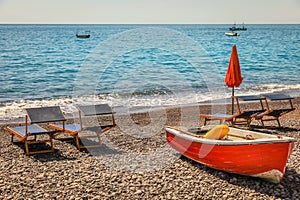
x: 141, y: 65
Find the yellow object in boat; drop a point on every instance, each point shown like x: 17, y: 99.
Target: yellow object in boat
x: 217, y: 132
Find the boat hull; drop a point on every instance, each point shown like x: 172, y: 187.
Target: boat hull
x: 237, y: 29
x: 83, y: 35
x: 264, y: 160
x: 232, y: 34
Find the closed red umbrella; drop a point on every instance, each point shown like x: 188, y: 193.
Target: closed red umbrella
x: 233, y: 76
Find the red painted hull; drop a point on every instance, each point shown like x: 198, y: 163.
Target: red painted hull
x: 264, y: 160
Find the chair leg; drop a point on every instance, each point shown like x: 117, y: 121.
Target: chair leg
x: 26, y: 147
x: 232, y: 123
x: 51, y: 143
x: 249, y: 122
x: 77, y: 142
x: 278, y: 122
x: 262, y: 123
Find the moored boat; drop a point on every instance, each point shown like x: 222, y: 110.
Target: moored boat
x: 83, y: 35
x: 242, y: 152
x: 234, y: 28
x: 232, y: 34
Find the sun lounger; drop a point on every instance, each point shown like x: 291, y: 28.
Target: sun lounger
x: 80, y: 131
x: 245, y: 116
x: 248, y: 115
x: 238, y: 118
x: 275, y: 114
x: 223, y: 118
x: 31, y: 129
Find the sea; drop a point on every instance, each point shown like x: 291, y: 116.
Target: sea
x: 137, y: 66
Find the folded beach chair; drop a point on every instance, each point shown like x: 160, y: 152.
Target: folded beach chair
x: 80, y: 131
x: 275, y: 114
x: 31, y: 129
x: 245, y: 116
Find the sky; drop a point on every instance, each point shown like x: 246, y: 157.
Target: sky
x: 149, y: 11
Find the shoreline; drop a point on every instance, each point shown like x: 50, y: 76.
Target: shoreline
x: 121, y: 110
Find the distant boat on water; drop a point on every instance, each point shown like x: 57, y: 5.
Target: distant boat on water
x: 232, y: 34
x: 234, y: 28
x: 85, y: 35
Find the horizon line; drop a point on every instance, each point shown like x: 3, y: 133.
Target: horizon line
x: 31, y: 23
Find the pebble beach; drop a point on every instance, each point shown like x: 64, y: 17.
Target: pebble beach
x: 139, y: 167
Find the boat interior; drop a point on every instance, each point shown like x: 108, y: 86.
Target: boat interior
x: 234, y: 134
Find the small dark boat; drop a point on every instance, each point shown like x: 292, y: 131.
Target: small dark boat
x: 83, y: 35
x: 234, y: 28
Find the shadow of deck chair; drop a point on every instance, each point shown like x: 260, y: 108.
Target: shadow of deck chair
x: 80, y: 131
x: 34, y: 117
x: 241, y: 117
x: 275, y: 114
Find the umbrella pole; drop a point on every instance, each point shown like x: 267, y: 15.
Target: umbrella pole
x: 232, y: 101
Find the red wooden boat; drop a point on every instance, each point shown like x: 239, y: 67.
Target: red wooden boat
x: 240, y: 151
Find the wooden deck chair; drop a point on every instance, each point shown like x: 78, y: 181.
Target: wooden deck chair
x: 80, y: 131
x: 248, y: 115
x: 237, y: 118
x: 275, y: 114
x: 223, y: 118
x: 31, y: 129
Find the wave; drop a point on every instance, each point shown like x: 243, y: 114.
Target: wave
x: 274, y: 87
x: 270, y: 88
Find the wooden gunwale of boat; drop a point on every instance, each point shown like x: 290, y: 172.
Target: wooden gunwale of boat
x: 235, y: 137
